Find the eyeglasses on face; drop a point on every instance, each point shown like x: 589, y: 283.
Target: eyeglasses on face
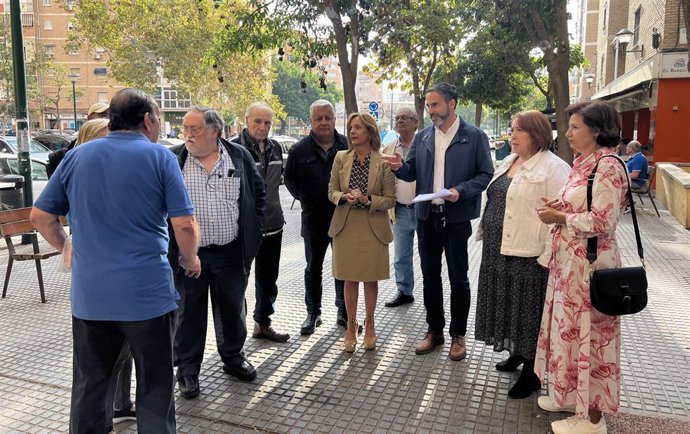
x: 403, y: 118
x: 192, y: 130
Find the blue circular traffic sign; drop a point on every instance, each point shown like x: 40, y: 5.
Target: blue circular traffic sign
x: 373, y: 106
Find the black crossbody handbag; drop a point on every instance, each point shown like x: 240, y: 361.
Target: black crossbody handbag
x: 616, y: 291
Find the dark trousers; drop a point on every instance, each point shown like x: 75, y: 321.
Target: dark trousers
x: 97, y: 347
x: 224, y: 276
x: 315, y: 251
x: 267, y: 264
x: 119, y: 389
x: 432, y: 243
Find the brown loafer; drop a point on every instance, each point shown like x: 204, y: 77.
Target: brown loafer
x: 458, y: 350
x: 429, y: 343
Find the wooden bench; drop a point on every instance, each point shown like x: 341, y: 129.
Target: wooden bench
x: 14, y: 223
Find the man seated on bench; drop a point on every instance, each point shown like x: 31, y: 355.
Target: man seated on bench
x: 637, y: 164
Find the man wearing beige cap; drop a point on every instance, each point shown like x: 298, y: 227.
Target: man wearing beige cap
x: 98, y: 110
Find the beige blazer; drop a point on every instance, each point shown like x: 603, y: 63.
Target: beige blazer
x: 381, y: 188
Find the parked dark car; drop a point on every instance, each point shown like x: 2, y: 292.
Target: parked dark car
x: 55, y: 141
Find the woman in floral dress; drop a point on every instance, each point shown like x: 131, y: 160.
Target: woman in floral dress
x: 578, y: 346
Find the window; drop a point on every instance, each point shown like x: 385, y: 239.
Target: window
x: 70, y: 26
x: 102, y: 97
x: 101, y: 72
x: 74, y: 71
x: 46, y: 2
x: 636, y: 29
x: 47, y: 25
x: 50, y: 49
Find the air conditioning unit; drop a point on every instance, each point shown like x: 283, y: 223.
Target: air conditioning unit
x: 97, y: 56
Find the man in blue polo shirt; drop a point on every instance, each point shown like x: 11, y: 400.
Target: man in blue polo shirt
x: 637, y: 164
x: 119, y: 191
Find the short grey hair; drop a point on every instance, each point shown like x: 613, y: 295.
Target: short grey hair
x: 409, y: 111
x: 212, y: 118
x: 256, y: 104
x: 637, y: 146
x: 318, y: 104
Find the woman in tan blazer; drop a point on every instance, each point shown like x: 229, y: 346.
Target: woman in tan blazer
x: 363, y: 190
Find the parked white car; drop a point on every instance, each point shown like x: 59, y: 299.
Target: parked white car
x: 8, y: 145
x: 39, y: 173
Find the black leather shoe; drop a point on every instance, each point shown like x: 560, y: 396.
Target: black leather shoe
x: 510, y: 364
x: 341, y: 320
x: 189, y: 386
x: 309, y: 325
x: 400, y: 299
x: 243, y: 372
x: 527, y: 383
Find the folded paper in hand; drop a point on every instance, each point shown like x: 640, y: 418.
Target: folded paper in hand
x: 430, y: 196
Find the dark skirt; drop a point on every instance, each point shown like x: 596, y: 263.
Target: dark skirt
x: 511, y: 289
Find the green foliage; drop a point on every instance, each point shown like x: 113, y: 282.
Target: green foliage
x: 416, y: 38
x: 183, y: 36
x: 488, y: 75
x: 296, y: 89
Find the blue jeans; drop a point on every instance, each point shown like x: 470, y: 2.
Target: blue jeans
x: 403, y: 234
x: 452, y: 241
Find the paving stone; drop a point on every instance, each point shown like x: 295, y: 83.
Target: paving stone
x: 309, y: 384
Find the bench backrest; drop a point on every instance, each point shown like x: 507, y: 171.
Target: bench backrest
x: 15, y: 222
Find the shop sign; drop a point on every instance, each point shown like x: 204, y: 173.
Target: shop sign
x: 674, y: 65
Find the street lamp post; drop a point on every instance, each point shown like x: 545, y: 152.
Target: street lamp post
x: 73, y: 78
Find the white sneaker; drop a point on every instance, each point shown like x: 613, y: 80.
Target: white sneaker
x: 546, y: 404
x: 578, y: 425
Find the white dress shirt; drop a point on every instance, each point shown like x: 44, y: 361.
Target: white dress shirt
x: 441, y: 142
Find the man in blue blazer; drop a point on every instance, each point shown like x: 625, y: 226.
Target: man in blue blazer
x: 453, y: 155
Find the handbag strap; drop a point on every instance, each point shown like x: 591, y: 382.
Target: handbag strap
x: 592, y: 242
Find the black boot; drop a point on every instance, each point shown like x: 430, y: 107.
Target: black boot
x: 527, y: 383
x: 510, y: 364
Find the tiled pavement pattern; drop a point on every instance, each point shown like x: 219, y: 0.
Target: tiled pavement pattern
x: 310, y: 385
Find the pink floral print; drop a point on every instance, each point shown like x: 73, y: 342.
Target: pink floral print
x: 579, y: 347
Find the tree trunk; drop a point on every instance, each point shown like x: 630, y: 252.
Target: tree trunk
x: 348, y: 65
x: 478, y: 113
x: 419, y: 101
x: 57, y: 115
x: 686, y: 13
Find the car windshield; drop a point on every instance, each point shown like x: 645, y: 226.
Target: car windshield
x: 35, y: 146
x: 38, y: 170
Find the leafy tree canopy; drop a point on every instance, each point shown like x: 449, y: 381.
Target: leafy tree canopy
x: 296, y: 89
x: 181, y: 35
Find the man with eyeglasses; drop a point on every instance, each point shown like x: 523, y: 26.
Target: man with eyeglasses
x: 402, y: 216
x: 229, y: 197
x: 268, y: 156
x: 307, y: 173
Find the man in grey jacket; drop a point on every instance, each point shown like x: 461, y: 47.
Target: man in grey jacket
x: 268, y: 157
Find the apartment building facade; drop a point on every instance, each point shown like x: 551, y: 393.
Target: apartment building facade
x: 638, y: 57
x: 48, y: 23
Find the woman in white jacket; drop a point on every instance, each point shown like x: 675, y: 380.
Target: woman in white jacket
x: 512, y: 283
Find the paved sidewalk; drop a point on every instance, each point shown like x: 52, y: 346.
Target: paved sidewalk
x: 310, y: 385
